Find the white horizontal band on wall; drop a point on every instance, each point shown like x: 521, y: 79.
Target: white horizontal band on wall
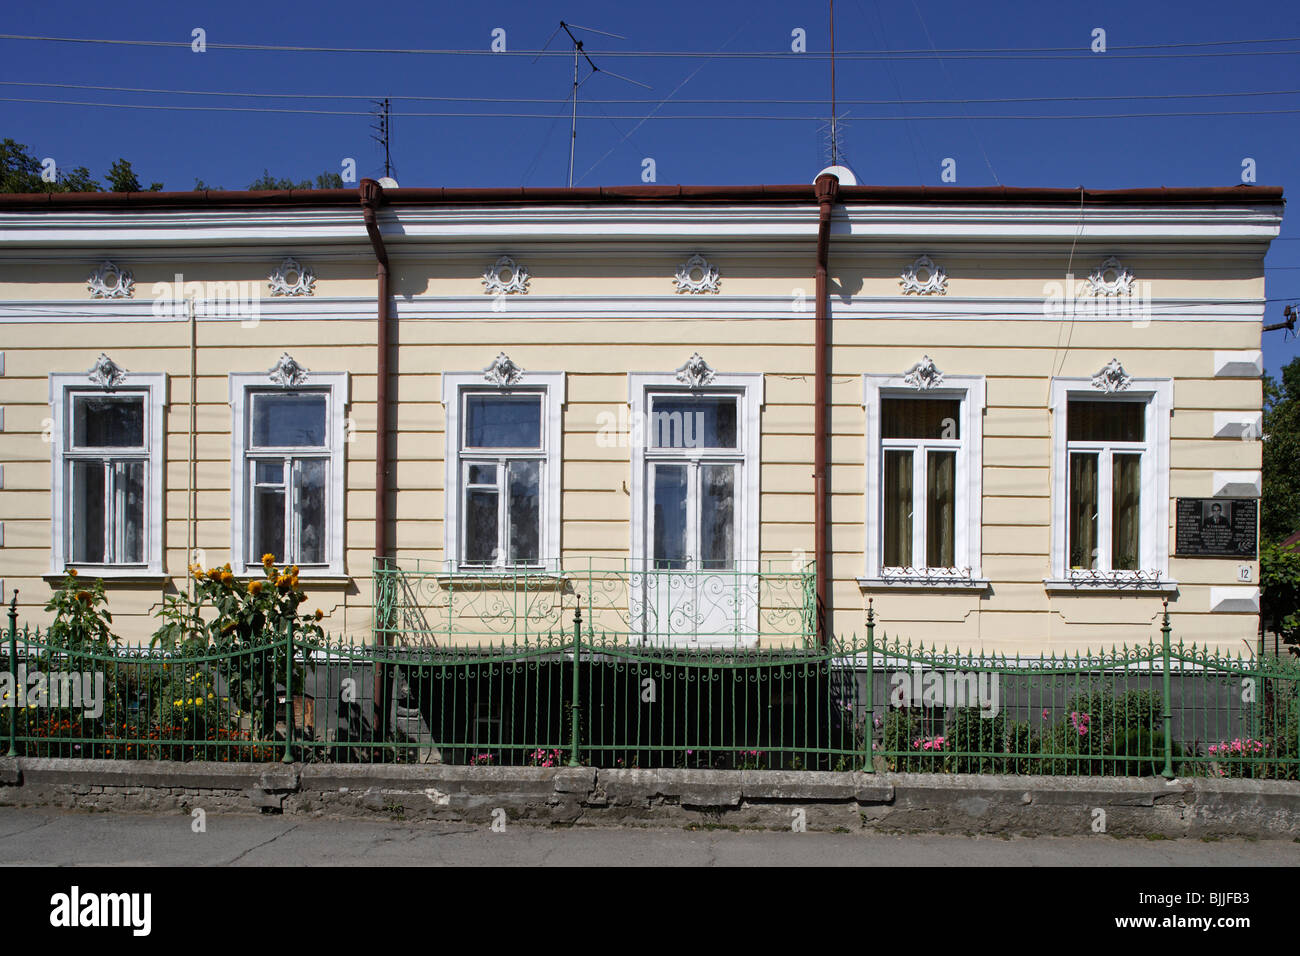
x: 1237, y: 484
x: 1235, y: 600
x: 798, y: 305
x: 1249, y: 364
x: 1237, y: 425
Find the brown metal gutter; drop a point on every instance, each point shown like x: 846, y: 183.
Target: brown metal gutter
x: 372, y: 197
x: 651, y: 195
x: 827, y: 188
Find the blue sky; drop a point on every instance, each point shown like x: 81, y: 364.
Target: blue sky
x: 1062, y: 142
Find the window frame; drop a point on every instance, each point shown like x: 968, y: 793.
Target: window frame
x: 456, y: 387
x: 335, y: 385
x: 1152, y: 573
x: 748, y: 387
x: 967, y: 572
x: 152, y: 386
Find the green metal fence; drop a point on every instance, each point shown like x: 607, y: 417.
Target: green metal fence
x: 577, y: 697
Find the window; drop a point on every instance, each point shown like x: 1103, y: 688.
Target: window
x: 1110, y: 484
x: 107, y: 473
x: 923, y: 482
x: 694, y: 490
x: 694, y: 466
x: 503, y: 471
x: 287, y: 472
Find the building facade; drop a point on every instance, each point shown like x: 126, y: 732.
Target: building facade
x: 706, y: 416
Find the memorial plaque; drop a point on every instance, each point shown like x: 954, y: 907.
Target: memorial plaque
x: 1216, y: 527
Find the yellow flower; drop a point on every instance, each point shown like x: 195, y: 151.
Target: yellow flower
x: 84, y: 597
x: 177, y: 703
x: 72, y: 572
x: 214, y: 574
x: 268, y: 559
x: 254, y: 587
x: 319, y: 614
x: 227, y: 579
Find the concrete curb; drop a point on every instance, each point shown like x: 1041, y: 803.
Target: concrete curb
x: 882, y: 802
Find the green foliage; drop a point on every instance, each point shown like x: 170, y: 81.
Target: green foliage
x: 323, y: 181
x: 82, y: 622
x: 1148, y: 747
x: 969, y: 731
x: 122, y: 179
x: 1279, y: 577
x: 20, y: 172
x: 1280, y: 506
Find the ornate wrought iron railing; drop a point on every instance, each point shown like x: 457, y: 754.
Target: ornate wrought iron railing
x: 430, y: 604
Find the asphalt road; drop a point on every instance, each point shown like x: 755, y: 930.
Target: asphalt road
x: 38, y: 837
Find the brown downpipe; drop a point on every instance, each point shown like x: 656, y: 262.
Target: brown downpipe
x: 372, y: 197
x: 827, y: 188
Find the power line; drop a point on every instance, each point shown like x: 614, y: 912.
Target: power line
x: 683, y: 116
x: 633, y: 101
x: 1070, y: 52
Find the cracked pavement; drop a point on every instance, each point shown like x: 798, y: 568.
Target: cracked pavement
x: 31, y: 836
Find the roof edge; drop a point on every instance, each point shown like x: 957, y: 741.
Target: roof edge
x: 650, y: 195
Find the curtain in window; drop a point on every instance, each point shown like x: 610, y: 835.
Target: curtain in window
x: 941, y: 509
x: 1083, y: 511
x: 898, y: 509
x: 1125, y: 522
x: 920, y: 418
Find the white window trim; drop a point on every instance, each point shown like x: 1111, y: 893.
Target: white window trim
x: 552, y: 386
x: 337, y: 385
x: 154, y: 384
x: 970, y: 390
x: 1153, y: 575
x: 750, y: 386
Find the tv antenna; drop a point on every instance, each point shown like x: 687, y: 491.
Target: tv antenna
x: 385, y: 130
x: 578, y: 51
x: 834, y: 131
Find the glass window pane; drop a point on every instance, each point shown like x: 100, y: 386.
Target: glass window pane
x: 130, y: 511
x: 269, y: 472
x: 920, y: 418
x: 941, y: 509
x: 669, y: 516
x: 495, y: 421
x: 1126, y: 513
x: 483, y: 474
x: 88, y: 512
x: 706, y: 421
x: 1083, y: 511
x: 525, y: 512
x: 1105, y: 421
x: 718, y: 517
x: 291, y: 420
x: 108, y: 421
x: 481, y: 542
x: 311, y: 511
x: 268, y: 523
x: 898, y: 509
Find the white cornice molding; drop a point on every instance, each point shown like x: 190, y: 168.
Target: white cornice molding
x: 667, y: 305
x: 1247, y: 221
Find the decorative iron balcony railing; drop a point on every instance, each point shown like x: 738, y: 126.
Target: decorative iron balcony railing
x: 429, y: 603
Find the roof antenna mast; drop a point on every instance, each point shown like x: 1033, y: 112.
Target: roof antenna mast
x: 579, y: 51
x: 834, y: 136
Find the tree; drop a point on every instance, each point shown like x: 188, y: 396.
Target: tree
x: 20, y: 172
x: 121, y: 178
x: 323, y: 181
x: 1279, y: 509
x: 1280, y: 505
